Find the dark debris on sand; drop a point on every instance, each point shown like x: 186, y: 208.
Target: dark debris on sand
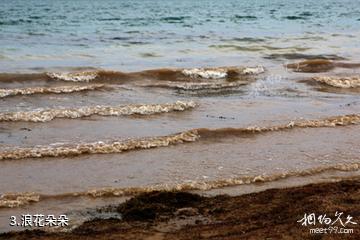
x: 271, y: 214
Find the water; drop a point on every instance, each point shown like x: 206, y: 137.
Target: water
x: 101, y: 100
x: 138, y: 34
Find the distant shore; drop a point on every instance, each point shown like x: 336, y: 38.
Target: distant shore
x: 271, y: 214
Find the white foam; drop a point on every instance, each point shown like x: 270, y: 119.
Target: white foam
x: 45, y: 115
x: 340, y: 82
x: 205, y: 73
x: 59, y: 89
x: 74, y: 77
x: 254, y: 70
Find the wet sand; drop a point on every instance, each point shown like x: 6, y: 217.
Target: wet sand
x: 271, y: 214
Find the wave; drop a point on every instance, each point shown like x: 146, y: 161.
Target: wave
x: 179, y: 19
x: 15, y: 22
x: 22, y: 77
x: 196, y: 86
x: 247, y: 17
x: 90, y: 75
x: 193, y: 135
x: 320, y: 65
x: 340, y: 82
x: 74, y: 77
x: 295, y: 56
x: 99, y: 147
x: 238, y: 48
x: 221, y: 183
x: 221, y: 72
x: 295, y: 18
x: 203, y: 73
x: 58, y: 89
x: 247, y: 39
x: 45, y: 115
x: 168, y: 74
x: 343, y: 120
x: 11, y: 200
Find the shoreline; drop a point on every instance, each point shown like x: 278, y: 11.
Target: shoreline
x: 270, y: 214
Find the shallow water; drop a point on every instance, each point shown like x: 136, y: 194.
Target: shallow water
x: 100, y: 101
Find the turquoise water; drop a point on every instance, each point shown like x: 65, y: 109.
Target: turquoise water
x: 139, y: 34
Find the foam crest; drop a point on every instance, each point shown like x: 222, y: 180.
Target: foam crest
x: 205, y: 73
x: 194, y: 86
x: 43, y: 90
x: 343, y: 120
x: 45, y: 115
x: 167, y: 74
x: 253, y: 70
x: 340, y: 82
x: 221, y: 72
x: 208, y: 185
x: 98, y: 147
x: 74, y: 76
x: 11, y: 200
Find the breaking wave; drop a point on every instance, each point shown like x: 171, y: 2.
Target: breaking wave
x: 207, y: 80
x: 59, y: 89
x: 340, y: 82
x: 221, y: 72
x: 11, y: 200
x: 203, y: 73
x: 196, y: 86
x: 168, y: 74
x: 74, y: 77
x: 343, y: 120
x: 101, y: 147
x: 46, y: 115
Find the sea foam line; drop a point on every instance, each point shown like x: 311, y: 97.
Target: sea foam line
x: 75, y: 76
x: 45, y: 115
x: 99, y: 147
x: 172, y: 74
x: 58, y: 89
x: 221, y: 72
x: 198, y: 86
x: 340, y: 82
x: 11, y: 200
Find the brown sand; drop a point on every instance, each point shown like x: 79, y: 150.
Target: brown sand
x: 271, y: 214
